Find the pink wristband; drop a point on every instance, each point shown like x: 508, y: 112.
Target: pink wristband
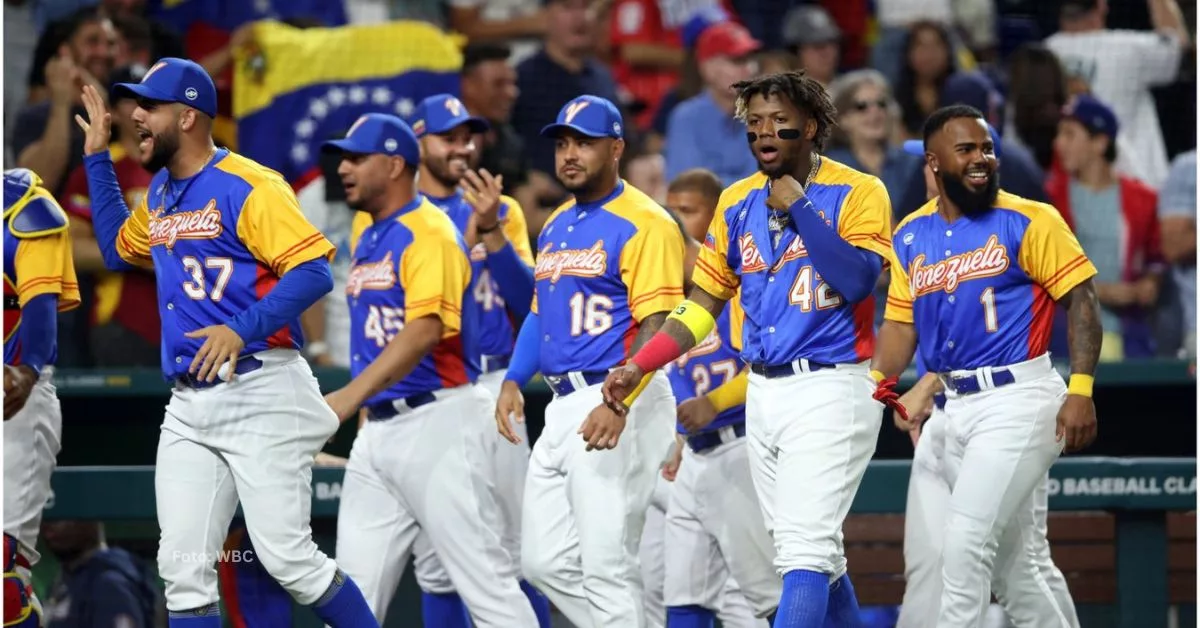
x: 657, y: 353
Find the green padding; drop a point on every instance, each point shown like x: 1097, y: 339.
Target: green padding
x: 127, y: 493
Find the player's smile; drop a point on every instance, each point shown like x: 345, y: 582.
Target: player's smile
x: 977, y: 176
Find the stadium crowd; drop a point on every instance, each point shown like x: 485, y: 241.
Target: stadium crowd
x: 1074, y: 91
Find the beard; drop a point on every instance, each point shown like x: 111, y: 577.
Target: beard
x: 969, y: 201
x: 165, y: 147
x: 440, y: 171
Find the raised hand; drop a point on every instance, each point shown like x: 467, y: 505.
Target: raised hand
x: 483, y: 193
x: 97, y: 128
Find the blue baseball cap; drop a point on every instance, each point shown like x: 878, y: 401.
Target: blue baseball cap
x: 174, y: 80
x: 378, y: 133
x: 1093, y: 114
x: 442, y: 113
x: 589, y: 115
x: 917, y: 147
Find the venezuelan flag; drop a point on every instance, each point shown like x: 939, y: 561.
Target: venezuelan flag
x: 297, y: 88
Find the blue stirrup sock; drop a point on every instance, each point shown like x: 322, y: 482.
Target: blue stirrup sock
x: 691, y: 616
x: 444, y: 610
x: 843, y: 605
x: 203, y: 617
x: 343, y: 605
x: 539, y: 602
x: 804, y: 600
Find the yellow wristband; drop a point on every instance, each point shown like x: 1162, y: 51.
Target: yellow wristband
x: 878, y: 376
x: 637, y: 391
x: 1080, y: 384
x: 698, y: 320
x: 731, y: 393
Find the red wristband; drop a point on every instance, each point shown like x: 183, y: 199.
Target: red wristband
x: 657, y: 353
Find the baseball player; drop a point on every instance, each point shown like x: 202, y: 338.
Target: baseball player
x: 606, y: 276
x: 421, y: 463
x: 236, y: 264
x: 502, y: 269
x: 984, y: 323
x: 714, y: 526
x: 1020, y: 588
x: 39, y: 282
x: 803, y: 259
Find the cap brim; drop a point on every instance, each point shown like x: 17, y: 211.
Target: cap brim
x: 138, y: 90
x: 345, y: 145
x: 475, y: 124
x: 552, y: 130
x: 915, y: 147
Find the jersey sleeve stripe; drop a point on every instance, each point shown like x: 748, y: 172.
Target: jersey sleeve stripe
x: 1065, y: 270
x: 898, y: 303
x: 668, y: 291
x: 281, y: 261
x: 128, y: 251
x: 39, y: 281
x: 712, y: 274
x: 423, y: 302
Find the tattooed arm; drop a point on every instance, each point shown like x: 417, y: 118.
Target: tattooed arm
x: 1077, y: 417
x: 1084, y: 333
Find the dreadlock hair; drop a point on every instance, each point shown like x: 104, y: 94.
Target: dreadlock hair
x: 807, y: 94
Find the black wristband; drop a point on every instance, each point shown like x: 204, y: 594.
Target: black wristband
x: 494, y: 227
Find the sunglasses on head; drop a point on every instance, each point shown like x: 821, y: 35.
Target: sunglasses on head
x: 863, y: 105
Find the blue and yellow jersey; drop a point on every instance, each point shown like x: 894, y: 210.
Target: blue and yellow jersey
x: 496, y: 331
x: 790, y: 313
x: 411, y: 265
x: 37, y: 255
x: 601, y: 268
x: 218, y: 242
x: 980, y: 291
x: 708, y: 366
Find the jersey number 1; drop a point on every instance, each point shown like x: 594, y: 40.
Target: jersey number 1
x: 990, y: 320
x: 196, y: 287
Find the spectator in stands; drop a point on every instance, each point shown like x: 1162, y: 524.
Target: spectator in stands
x: 1037, y: 94
x: 897, y: 19
x: 702, y: 131
x: 1177, y: 210
x: 647, y: 52
x: 124, y: 328
x: 690, y: 83
x: 326, y: 324
x: 928, y: 61
x: 777, y: 62
x: 646, y: 171
x: 518, y: 23
x: 812, y: 35
x: 862, y: 139
x: 98, y: 585
x: 1116, y: 222
x: 564, y: 68
x: 134, y: 43
x: 1120, y: 67
x: 164, y: 41
x: 489, y: 88
x: 45, y: 137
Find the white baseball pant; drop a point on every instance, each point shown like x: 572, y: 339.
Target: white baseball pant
x: 715, y: 534
x: 509, y: 464
x: 584, y: 511
x: 651, y: 553
x: 427, y: 471
x: 811, y: 436
x: 32, y: 440
x: 1000, y: 444
x: 1021, y: 588
x: 252, y: 439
